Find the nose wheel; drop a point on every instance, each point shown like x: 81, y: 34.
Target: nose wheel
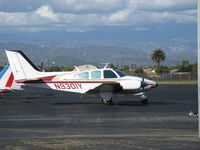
x: 144, y: 99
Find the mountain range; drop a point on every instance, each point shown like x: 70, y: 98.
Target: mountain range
x: 77, y: 52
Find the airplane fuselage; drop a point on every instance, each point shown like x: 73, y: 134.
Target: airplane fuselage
x: 86, y: 81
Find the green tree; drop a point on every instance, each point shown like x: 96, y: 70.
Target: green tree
x: 162, y: 69
x: 54, y: 68
x: 194, y: 68
x: 185, y: 66
x: 158, y: 55
x: 139, y: 70
x: 125, y: 69
x: 68, y: 68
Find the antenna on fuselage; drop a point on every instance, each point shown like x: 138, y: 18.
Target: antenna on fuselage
x: 76, y: 68
x: 106, y: 65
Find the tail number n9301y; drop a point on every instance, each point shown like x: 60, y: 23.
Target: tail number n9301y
x: 68, y: 85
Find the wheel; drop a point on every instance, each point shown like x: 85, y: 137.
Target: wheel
x: 145, y: 101
x: 108, y: 102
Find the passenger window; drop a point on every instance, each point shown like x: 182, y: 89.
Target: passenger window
x: 84, y: 75
x: 109, y: 74
x: 96, y: 74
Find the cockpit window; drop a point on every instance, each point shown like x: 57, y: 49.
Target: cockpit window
x: 121, y: 74
x: 109, y: 74
x: 96, y: 74
x: 84, y: 75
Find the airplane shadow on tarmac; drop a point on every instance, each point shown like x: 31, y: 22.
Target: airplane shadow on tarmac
x: 74, y: 103
x: 120, y: 103
x: 138, y: 103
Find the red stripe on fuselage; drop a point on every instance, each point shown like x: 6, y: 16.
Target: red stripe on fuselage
x: 74, y: 82
x: 46, y: 81
x: 10, y: 80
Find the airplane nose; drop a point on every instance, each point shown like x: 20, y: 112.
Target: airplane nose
x: 149, y: 84
x: 155, y: 85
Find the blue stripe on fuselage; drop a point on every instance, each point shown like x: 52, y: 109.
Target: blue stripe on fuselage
x: 4, y: 70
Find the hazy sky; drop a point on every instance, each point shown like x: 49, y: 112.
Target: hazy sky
x: 99, y: 19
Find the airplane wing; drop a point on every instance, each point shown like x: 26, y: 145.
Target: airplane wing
x: 106, y: 87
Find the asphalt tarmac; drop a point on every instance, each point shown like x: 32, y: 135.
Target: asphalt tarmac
x: 41, y: 120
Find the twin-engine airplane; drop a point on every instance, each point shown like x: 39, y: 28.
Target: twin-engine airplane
x: 83, y: 79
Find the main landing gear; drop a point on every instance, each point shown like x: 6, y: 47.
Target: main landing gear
x: 106, y: 93
x: 108, y: 102
x: 106, y: 98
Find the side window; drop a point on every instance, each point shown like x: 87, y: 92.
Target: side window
x: 109, y: 74
x: 96, y: 74
x: 84, y: 75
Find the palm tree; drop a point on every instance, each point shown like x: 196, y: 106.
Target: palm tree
x: 158, y: 55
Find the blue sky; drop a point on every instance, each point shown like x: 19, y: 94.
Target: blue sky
x: 128, y: 20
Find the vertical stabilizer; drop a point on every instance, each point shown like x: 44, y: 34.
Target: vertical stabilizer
x: 5, y: 77
x: 22, y: 67
x: 7, y: 82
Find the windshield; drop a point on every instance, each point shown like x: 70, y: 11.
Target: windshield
x: 121, y: 74
x: 109, y: 74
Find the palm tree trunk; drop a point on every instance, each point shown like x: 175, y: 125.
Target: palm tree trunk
x: 158, y: 63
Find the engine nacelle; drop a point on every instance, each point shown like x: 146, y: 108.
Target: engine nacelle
x: 130, y: 84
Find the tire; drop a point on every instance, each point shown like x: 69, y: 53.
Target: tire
x: 144, y: 101
x: 108, y: 102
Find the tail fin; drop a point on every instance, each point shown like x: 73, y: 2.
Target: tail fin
x: 6, y: 78
x: 22, y: 67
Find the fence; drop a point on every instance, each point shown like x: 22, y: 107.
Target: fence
x: 181, y: 76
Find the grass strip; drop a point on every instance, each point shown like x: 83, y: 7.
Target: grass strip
x: 177, y: 82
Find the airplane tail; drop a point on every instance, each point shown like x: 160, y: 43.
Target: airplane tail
x: 6, y: 78
x: 22, y: 67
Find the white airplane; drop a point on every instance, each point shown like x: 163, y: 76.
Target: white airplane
x: 7, y: 82
x: 83, y: 79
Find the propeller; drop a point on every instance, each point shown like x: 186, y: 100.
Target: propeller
x: 143, y: 83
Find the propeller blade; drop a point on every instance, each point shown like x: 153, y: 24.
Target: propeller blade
x: 142, y: 83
